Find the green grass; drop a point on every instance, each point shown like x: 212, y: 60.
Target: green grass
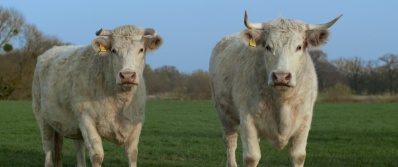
x: 187, y: 133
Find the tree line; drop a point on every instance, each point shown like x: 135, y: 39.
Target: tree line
x: 17, y: 65
x: 372, y: 77
x: 358, y: 76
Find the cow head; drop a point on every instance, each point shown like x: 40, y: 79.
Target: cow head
x: 127, y: 46
x: 284, y: 44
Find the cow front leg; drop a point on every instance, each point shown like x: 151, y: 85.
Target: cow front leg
x: 131, y: 146
x: 299, y: 142
x: 80, y: 151
x: 250, y: 142
x: 92, y: 140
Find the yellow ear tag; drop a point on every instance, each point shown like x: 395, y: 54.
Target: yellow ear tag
x: 252, y: 43
x: 102, y: 48
x: 153, y: 45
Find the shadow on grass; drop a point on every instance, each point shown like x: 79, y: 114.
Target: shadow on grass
x: 11, y: 157
x: 17, y: 157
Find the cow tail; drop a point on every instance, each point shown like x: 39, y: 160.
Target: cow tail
x: 58, y: 142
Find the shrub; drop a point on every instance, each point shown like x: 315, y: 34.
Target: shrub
x: 5, y: 90
x: 338, y: 92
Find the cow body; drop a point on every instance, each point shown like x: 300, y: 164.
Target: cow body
x: 267, y: 89
x: 82, y: 93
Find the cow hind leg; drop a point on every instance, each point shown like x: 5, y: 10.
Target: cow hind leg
x: 47, y: 136
x: 80, y: 151
x: 230, y: 141
x: 58, y: 142
x: 230, y: 137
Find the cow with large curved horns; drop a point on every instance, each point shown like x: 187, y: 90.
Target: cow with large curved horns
x: 95, y: 92
x: 264, y: 85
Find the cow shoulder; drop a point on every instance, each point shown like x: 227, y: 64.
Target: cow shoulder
x: 236, y: 69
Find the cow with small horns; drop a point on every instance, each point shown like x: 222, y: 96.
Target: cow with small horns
x: 264, y: 85
x: 88, y: 93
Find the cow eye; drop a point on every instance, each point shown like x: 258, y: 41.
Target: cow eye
x: 114, y: 50
x: 268, y: 47
x: 141, y: 50
x: 298, y: 48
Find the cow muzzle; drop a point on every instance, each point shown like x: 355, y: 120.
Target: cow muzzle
x: 281, y: 80
x: 128, y: 78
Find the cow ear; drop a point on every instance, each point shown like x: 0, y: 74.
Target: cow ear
x: 101, y: 45
x: 153, y: 43
x: 252, y: 38
x: 317, y: 37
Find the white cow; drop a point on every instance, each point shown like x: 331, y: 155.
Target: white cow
x: 87, y: 93
x: 264, y: 84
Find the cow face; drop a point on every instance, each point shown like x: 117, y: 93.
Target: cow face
x: 128, y: 48
x: 284, y: 44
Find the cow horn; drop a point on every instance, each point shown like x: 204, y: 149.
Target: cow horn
x: 149, y: 32
x: 323, y: 26
x: 103, y: 32
x: 256, y: 26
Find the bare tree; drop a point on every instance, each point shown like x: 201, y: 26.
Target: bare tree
x: 36, y: 43
x: 374, y: 82
x: 168, y: 76
x: 328, y: 74
x: 353, y: 70
x: 17, y: 67
x: 11, y: 22
x: 195, y: 86
x: 155, y: 84
x: 391, y: 69
x: 318, y: 55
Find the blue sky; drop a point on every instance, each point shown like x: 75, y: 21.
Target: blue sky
x: 190, y: 28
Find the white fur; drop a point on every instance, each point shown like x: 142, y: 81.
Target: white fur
x: 246, y: 99
x: 75, y: 95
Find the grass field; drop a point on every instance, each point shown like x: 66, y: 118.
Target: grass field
x: 187, y: 133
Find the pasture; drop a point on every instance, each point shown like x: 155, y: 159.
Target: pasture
x: 187, y: 133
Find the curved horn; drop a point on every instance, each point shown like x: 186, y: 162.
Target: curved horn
x: 323, y: 26
x: 149, y: 32
x: 255, y: 26
x: 103, y: 32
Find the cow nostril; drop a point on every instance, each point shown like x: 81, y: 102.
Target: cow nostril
x: 121, y: 75
x: 274, y: 77
x: 133, y: 75
x: 288, y: 77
